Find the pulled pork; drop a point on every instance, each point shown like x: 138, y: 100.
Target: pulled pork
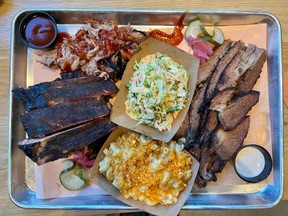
x: 95, y: 49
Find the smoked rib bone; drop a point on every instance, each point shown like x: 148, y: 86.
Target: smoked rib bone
x: 62, y: 144
x: 65, y: 115
x: 61, y: 90
x: 51, y: 119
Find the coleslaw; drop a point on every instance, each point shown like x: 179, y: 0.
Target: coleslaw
x: 157, y: 91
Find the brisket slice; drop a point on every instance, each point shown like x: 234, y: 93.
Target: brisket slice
x: 231, y: 74
x: 221, y: 99
x: 224, y: 147
x: 238, y: 66
x: 47, y: 120
x: 229, y: 144
x: 238, y: 108
x: 194, y: 110
x: 62, y: 144
x: 232, y: 141
x: 206, y: 69
x: 253, y: 72
x: 205, y: 92
x: 50, y: 93
x: 207, y: 147
x: 210, y: 126
x: 195, y: 115
x: 223, y: 63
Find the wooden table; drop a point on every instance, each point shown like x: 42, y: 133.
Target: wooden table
x: 8, y: 8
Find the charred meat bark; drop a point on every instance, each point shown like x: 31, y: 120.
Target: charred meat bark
x: 50, y: 93
x: 225, y: 145
x: 223, y: 63
x: 229, y: 144
x: 207, y: 148
x: 231, y: 141
x: 211, y: 125
x: 48, y: 120
x: 206, y: 69
x: 72, y: 74
x: 194, y: 110
x: 192, y: 131
x: 62, y: 144
x: 116, y: 64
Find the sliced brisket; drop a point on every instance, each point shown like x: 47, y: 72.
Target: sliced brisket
x: 194, y: 110
x: 238, y: 108
x: 252, y: 74
x: 196, y: 116
x: 210, y: 126
x: 247, y: 63
x: 221, y: 99
x: 218, y: 114
x: 62, y: 144
x: 225, y: 145
x: 206, y: 69
x: 207, y: 148
x: 223, y: 63
x: 231, y: 141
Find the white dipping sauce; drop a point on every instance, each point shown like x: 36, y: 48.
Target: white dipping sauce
x: 250, y: 162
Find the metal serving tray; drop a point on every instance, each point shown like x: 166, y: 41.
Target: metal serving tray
x: 249, y: 196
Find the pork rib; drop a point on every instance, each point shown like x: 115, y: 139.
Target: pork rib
x: 72, y: 74
x: 47, y: 120
x: 61, y: 90
x: 62, y: 144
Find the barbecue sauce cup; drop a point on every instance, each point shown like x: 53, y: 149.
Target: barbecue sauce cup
x: 38, y: 30
x: 253, y: 163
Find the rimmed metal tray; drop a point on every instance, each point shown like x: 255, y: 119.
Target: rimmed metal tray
x: 233, y: 197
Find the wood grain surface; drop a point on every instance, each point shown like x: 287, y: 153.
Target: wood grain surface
x: 8, y: 8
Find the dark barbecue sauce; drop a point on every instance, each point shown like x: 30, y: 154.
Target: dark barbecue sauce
x: 39, y: 31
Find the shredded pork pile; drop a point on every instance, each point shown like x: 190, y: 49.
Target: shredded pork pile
x: 98, y: 48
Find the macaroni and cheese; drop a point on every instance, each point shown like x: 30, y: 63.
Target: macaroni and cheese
x: 147, y: 170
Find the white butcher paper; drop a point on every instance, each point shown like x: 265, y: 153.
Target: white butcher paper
x: 259, y: 132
